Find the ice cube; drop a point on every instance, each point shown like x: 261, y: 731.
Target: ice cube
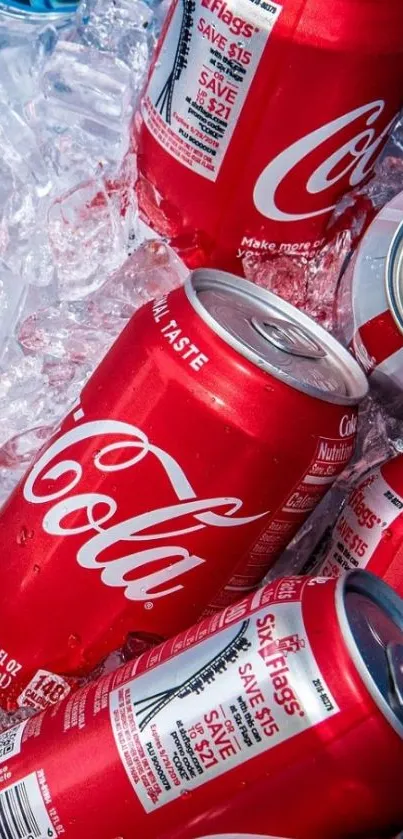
x: 284, y: 275
x: 69, y: 332
x: 151, y: 271
x: 21, y: 62
x: 9, y: 478
x: 323, y: 275
x: 12, y: 292
x: 394, y: 146
x: 25, y: 185
x: 81, y: 332
x: 123, y: 28
x: 388, y: 182
x: 102, y: 24
x: 87, y: 82
x: 22, y: 393
x: 19, y: 150
x: 87, y: 238
x: 35, y: 393
x: 161, y: 8
x: 38, y: 267
x: 16, y: 81
x: 83, y: 113
x: 134, y: 50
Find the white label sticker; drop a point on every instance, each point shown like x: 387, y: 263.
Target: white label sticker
x: 23, y: 813
x: 200, y: 81
x: 215, y: 706
x: 44, y: 689
x: 10, y: 741
x: 371, y: 509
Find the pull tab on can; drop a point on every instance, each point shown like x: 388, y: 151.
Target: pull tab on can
x: 394, y: 655
x: 288, y: 337
x: 276, y: 337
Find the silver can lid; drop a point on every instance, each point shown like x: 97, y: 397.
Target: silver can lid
x: 371, y: 616
x: 276, y: 337
x: 394, y: 276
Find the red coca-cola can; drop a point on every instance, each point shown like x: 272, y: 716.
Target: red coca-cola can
x: 283, y: 714
x: 369, y: 530
x: 258, y: 116
x: 208, y: 433
x: 369, y: 304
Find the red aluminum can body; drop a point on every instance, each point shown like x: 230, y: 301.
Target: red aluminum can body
x: 209, y: 733
x: 189, y: 463
x: 369, y: 304
x: 257, y: 117
x: 369, y: 530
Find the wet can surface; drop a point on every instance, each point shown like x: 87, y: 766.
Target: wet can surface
x: 245, y: 142
x: 369, y: 309
x: 208, y: 433
x: 369, y: 530
x: 298, y: 686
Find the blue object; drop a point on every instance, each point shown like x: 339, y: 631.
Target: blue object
x: 42, y: 7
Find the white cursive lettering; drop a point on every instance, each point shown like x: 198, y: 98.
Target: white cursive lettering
x: 348, y: 425
x: 359, y: 154
x: 99, y: 508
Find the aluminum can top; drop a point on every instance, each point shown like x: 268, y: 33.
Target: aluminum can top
x: 276, y: 337
x: 371, y: 618
x: 394, y: 276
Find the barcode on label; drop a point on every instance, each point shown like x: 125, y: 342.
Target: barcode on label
x: 23, y: 814
x: 264, y: 14
x: 10, y: 741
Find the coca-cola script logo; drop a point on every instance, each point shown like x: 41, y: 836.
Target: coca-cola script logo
x: 57, y: 462
x: 348, y: 425
x: 351, y: 161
